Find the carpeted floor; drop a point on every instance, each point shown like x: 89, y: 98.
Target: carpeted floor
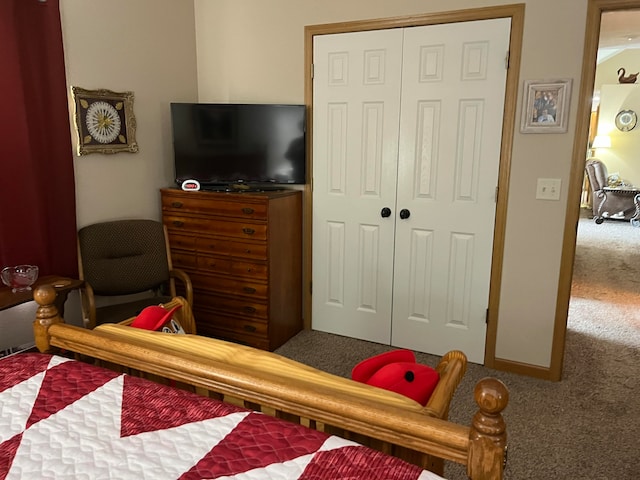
x: 583, y: 427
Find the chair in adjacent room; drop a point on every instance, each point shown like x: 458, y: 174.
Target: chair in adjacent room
x: 609, y: 202
x: 126, y: 266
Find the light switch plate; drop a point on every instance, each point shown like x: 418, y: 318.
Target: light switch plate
x: 548, y: 189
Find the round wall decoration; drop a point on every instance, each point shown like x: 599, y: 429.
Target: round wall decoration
x: 103, y: 121
x: 626, y: 120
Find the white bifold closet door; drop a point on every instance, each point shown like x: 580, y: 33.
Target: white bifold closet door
x: 407, y: 128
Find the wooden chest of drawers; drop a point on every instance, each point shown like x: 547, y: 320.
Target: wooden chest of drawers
x: 243, y: 252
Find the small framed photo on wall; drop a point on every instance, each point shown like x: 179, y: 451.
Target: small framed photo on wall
x: 104, y: 121
x: 546, y: 106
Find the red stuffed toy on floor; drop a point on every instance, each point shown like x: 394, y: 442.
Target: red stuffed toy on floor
x: 398, y: 372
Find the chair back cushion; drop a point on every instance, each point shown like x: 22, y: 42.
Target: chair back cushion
x: 124, y: 256
x: 597, y: 172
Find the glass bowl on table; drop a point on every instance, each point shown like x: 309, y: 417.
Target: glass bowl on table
x: 19, y: 278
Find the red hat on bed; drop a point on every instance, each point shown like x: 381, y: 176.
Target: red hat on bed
x: 153, y: 317
x: 398, y: 372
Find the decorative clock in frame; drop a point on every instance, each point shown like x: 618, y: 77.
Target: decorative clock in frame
x: 104, y: 121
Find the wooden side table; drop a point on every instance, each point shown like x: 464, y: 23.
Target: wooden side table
x: 62, y: 285
x: 19, y: 328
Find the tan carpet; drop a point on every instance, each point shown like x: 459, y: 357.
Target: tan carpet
x: 584, y: 427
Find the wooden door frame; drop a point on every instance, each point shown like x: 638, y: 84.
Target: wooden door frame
x: 516, y: 13
x: 595, y: 8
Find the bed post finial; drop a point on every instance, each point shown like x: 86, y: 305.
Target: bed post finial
x: 46, y: 315
x: 488, y: 435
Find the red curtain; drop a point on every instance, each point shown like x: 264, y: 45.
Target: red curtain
x: 37, y: 190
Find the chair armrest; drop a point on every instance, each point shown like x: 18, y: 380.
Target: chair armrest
x: 88, y: 304
x: 186, y: 281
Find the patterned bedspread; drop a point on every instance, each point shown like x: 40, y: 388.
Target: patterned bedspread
x: 64, y: 419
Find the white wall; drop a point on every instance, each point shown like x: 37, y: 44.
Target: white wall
x: 607, y: 71
x: 147, y: 47
x: 252, y: 50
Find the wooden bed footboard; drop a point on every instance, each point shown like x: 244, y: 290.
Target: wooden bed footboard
x: 271, y: 383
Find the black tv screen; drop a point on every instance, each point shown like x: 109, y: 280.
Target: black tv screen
x: 220, y: 144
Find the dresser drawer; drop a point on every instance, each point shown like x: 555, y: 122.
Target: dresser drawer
x: 240, y: 307
x: 241, y: 330
x: 224, y: 207
x: 182, y: 242
x: 217, y: 265
x: 259, y: 271
x: 216, y: 245
x: 256, y: 251
x: 182, y: 259
x: 210, y: 284
x: 242, y: 326
x: 223, y: 227
x: 222, y: 266
x: 243, y: 338
x: 234, y: 248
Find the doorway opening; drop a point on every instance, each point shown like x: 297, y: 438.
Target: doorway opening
x: 572, y: 241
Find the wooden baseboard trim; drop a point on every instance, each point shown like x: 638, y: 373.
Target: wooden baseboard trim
x: 529, y: 370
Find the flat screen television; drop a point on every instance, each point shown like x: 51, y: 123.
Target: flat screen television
x: 254, y: 145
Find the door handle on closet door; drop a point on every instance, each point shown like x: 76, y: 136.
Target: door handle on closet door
x: 385, y: 212
x: 404, y: 214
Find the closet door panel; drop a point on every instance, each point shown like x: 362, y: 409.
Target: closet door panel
x: 427, y: 134
x: 452, y: 103
x: 357, y: 79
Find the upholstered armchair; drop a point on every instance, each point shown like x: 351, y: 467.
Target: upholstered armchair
x: 609, y: 202
x: 126, y: 266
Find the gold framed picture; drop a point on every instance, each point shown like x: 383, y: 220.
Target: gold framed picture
x: 104, y: 121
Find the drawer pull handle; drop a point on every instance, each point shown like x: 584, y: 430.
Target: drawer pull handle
x: 178, y: 223
x: 176, y: 204
x: 250, y: 328
x: 249, y: 309
x: 248, y: 290
x: 248, y: 250
x: 247, y: 210
x: 248, y: 231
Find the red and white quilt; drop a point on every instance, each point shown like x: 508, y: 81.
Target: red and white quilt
x: 62, y: 419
